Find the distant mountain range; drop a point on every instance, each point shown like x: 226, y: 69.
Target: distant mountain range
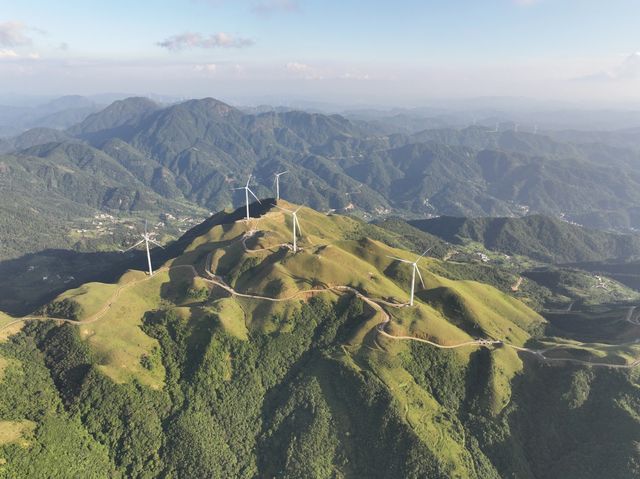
x: 540, y: 237
x: 59, y: 113
x: 137, y: 155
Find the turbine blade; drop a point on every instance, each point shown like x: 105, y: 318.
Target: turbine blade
x: 155, y: 243
x: 254, y: 195
x: 399, y: 259
x: 419, y: 275
x: 426, y: 251
x: 137, y: 244
x: 283, y: 209
x: 295, y: 218
x: 299, y: 208
x: 249, y: 180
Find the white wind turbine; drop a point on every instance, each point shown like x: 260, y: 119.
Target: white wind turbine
x: 247, y: 190
x: 146, y: 239
x: 277, y: 175
x: 497, y: 129
x: 296, y: 225
x: 413, y: 274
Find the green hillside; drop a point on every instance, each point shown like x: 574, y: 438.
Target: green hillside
x: 239, y: 358
x: 138, y: 156
x: 540, y: 237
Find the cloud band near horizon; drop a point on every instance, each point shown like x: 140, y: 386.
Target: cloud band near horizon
x: 191, y: 40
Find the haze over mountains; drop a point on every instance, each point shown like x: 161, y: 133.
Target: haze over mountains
x: 57, y: 113
x: 137, y: 155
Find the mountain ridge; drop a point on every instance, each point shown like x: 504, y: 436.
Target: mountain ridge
x: 238, y: 347
x: 536, y: 236
x: 193, y: 153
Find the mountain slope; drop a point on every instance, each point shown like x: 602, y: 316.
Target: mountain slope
x: 194, y: 153
x: 457, y: 172
x: 239, y: 358
x: 58, y: 186
x: 540, y: 237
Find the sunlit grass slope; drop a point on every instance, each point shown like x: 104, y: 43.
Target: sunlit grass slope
x: 274, y: 285
x: 253, y: 257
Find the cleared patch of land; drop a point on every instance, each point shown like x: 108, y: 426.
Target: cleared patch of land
x: 16, y: 432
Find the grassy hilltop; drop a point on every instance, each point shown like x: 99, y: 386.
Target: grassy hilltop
x: 239, y: 358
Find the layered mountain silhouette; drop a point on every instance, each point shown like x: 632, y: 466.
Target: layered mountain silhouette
x: 139, y: 155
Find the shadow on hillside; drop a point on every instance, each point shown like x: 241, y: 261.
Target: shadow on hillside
x: 35, y: 279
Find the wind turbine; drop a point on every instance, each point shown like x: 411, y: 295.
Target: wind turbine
x: 247, y: 190
x: 413, y: 274
x: 277, y: 175
x: 146, y: 239
x: 497, y: 129
x: 296, y: 225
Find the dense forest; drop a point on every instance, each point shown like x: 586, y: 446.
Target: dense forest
x: 283, y: 406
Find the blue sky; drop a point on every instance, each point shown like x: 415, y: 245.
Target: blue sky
x: 385, y: 52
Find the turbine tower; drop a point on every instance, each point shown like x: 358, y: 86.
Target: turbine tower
x: 277, y: 175
x: 146, y: 239
x: 413, y: 273
x: 296, y: 225
x: 247, y: 190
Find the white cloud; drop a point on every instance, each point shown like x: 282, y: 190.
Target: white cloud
x: 302, y: 70
x: 309, y: 72
x: 297, y: 67
x: 13, y: 34
x: 6, y: 53
x: 354, y: 75
x: 629, y: 69
x: 207, y: 67
x: 190, y: 40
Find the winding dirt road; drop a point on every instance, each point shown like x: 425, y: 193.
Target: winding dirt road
x: 376, y: 305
